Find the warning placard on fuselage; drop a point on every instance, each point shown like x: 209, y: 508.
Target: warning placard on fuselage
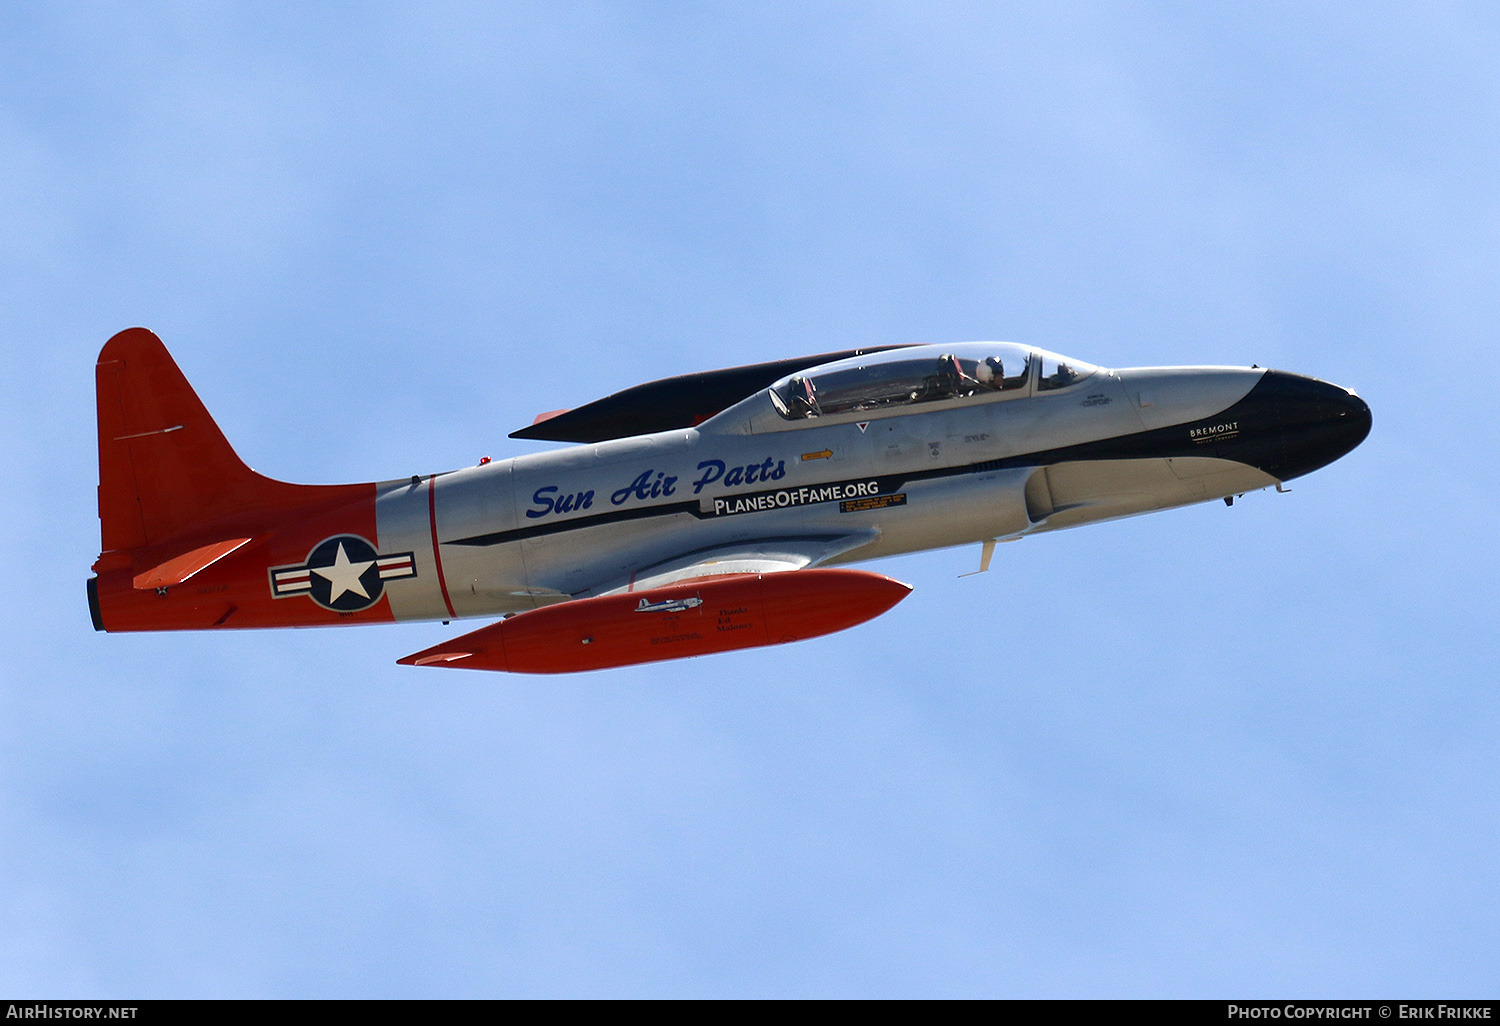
x: 872, y: 502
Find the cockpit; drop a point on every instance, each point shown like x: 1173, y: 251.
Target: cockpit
x: 924, y: 374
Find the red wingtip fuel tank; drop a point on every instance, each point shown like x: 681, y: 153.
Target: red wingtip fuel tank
x: 695, y: 617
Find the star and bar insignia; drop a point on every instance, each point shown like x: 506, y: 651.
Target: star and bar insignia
x: 343, y: 573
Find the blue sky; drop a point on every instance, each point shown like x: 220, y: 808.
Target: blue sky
x: 1248, y: 751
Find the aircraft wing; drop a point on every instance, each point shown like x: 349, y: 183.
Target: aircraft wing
x: 749, y: 556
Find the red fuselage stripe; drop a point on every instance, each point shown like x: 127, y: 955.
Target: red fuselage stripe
x: 437, y: 556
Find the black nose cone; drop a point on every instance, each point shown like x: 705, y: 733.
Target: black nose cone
x: 1313, y: 422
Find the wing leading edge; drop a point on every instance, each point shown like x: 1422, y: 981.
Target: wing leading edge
x: 751, y: 556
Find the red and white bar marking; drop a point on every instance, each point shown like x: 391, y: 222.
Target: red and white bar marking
x: 291, y: 582
x: 391, y: 567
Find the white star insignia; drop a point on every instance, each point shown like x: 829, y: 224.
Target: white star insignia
x: 343, y: 575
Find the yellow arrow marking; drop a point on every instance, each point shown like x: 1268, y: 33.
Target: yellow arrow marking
x: 825, y: 454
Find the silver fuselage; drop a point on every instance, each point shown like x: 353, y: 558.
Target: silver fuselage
x: 514, y: 534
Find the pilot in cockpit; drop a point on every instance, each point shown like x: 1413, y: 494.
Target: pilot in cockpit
x: 805, y: 396
x: 991, y: 373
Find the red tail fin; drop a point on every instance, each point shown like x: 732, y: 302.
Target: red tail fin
x: 165, y: 468
x: 164, y: 465
x: 175, y: 499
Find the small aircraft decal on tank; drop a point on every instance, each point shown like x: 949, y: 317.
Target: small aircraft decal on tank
x: 671, y: 605
x: 598, y: 557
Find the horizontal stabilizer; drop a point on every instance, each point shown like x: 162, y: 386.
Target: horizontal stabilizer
x: 179, y: 570
x: 691, y: 618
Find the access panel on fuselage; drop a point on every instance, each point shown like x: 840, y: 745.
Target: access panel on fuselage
x: 479, y: 579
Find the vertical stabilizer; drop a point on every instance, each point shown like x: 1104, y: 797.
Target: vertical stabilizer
x: 165, y: 469
x: 177, y: 505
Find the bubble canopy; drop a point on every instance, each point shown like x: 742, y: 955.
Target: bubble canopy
x: 922, y: 374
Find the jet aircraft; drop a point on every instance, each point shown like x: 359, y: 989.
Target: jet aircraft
x: 692, y: 515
